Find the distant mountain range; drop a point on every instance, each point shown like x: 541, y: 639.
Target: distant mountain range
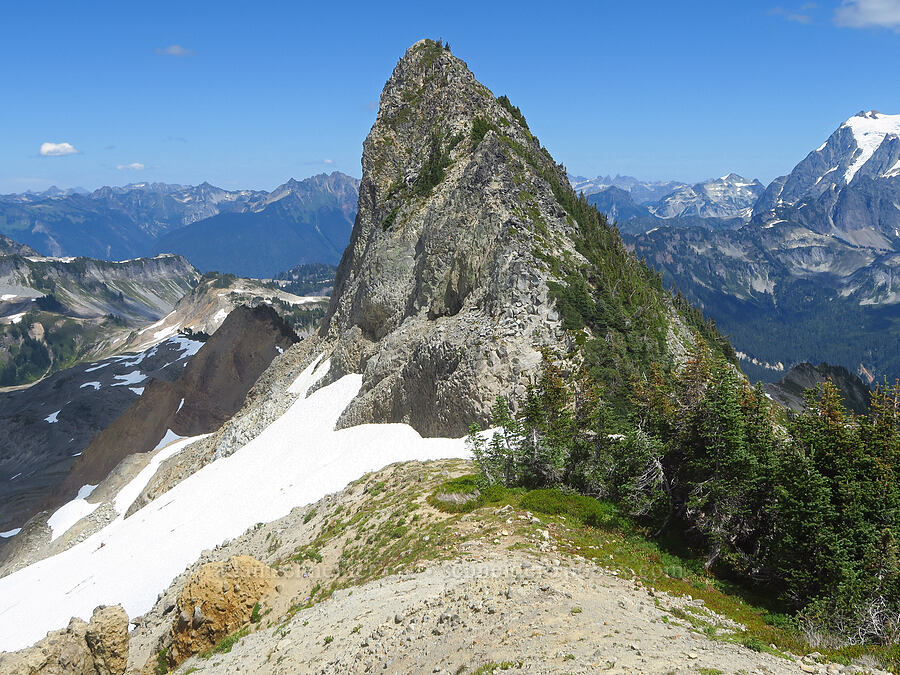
x: 814, y: 272
x: 245, y: 232
x: 637, y: 206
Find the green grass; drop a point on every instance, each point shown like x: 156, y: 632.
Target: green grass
x: 586, y: 510
x: 226, y: 644
x: 597, y: 531
x: 162, y: 662
x: 493, y: 667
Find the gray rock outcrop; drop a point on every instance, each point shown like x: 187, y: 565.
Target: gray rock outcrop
x: 96, y: 648
x: 440, y: 300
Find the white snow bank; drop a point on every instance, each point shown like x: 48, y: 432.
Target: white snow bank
x: 187, y: 346
x: 95, y: 385
x: 869, y: 131
x: 85, y: 491
x: 10, y: 533
x: 70, y: 513
x: 3, y: 298
x: 170, y: 437
x: 134, y: 377
x: 137, y: 390
x: 126, y: 496
x: 219, y: 316
x: 96, y: 367
x: 297, y: 460
x: 52, y: 418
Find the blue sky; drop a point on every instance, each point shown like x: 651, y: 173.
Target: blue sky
x: 250, y: 94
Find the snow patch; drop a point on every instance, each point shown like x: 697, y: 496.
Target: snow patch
x: 10, y: 533
x: 137, y: 390
x: 134, y: 377
x: 85, y: 491
x: 296, y: 460
x: 187, y: 346
x: 170, y: 437
x: 53, y: 418
x: 180, y: 406
x: 96, y: 367
x: 869, y: 131
x: 95, y: 385
x: 126, y: 496
x: 157, y: 324
x: 70, y: 513
x: 4, y: 297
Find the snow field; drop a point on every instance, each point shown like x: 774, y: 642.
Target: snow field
x: 296, y: 460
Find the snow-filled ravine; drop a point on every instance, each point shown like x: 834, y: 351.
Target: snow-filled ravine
x: 297, y: 460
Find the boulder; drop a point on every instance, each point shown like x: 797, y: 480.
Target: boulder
x: 96, y: 648
x: 216, y: 601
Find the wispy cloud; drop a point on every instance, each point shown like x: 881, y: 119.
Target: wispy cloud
x: 134, y: 166
x: 800, y: 14
x: 174, y: 50
x: 868, y: 14
x: 327, y: 161
x: 57, y: 149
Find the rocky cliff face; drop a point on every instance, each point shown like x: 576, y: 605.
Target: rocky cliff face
x: 439, y: 299
x: 10, y: 247
x: 135, y: 290
x: 789, y: 390
x: 212, y: 388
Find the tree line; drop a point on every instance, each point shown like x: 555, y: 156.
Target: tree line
x: 805, y: 509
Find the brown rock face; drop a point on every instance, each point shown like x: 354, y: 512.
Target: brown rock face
x: 107, y: 639
x: 217, y: 601
x: 96, y: 648
x: 212, y: 389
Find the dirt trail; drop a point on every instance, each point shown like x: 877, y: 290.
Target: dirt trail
x: 540, y: 614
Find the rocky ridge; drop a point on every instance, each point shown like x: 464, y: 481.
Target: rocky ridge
x: 356, y: 592
x: 441, y: 300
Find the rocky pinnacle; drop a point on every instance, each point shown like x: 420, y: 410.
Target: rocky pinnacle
x: 440, y: 300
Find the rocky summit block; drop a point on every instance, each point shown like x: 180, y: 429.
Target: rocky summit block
x: 96, y: 648
x: 440, y: 300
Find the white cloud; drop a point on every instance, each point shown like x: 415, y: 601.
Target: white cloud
x: 328, y: 161
x: 57, y: 149
x: 174, y: 50
x: 868, y: 14
x: 134, y: 166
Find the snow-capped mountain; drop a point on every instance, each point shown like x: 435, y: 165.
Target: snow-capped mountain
x: 731, y: 196
x: 849, y: 186
x: 642, y: 191
x: 816, y: 272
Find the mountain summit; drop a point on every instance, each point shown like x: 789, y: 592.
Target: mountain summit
x: 849, y: 186
x: 465, y: 223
